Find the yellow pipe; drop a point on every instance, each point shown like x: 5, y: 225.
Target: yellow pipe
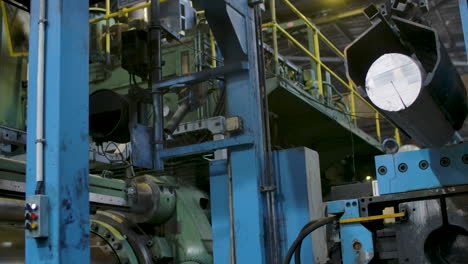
x: 274, y: 35
x: 353, y: 104
x: 319, y: 66
x: 397, y: 136
x: 122, y: 12
x: 108, y: 28
x: 8, y: 34
x: 377, y: 126
x: 370, y: 218
x: 213, y: 50
x: 310, y: 25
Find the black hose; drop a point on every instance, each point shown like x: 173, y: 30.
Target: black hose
x: 306, y: 230
x: 297, y: 252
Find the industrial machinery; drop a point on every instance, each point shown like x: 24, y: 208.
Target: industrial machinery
x: 418, y: 210
x: 193, y: 143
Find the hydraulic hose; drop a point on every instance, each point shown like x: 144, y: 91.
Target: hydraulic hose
x: 306, y: 230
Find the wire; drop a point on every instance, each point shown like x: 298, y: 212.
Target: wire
x: 306, y: 230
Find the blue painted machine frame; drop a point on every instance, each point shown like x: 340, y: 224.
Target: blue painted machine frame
x: 398, y: 173
x: 357, y: 245
x: 423, y: 169
x: 66, y: 146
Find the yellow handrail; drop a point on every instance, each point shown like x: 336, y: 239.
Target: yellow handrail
x: 317, y: 35
x: 122, y: 12
x: 8, y: 34
x: 319, y: 65
x: 377, y: 125
x: 314, y: 58
x: 311, y: 26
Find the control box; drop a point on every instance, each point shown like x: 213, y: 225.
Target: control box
x: 36, y: 220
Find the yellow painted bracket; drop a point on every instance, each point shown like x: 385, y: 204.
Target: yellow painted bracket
x: 8, y: 35
x: 370, y: 218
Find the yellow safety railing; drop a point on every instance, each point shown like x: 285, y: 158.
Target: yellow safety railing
x: 8, y: 34
x: 315, y: 56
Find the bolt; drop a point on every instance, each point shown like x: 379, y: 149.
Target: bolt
x: 382, y: 170
x: 444, y: 162
x: 403, y: 167
x: 357, y: 245
x: 423, y: 164
x: 465, y: 158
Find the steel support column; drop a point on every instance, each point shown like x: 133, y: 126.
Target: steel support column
x: 232, y: 24
x: 65, y: 132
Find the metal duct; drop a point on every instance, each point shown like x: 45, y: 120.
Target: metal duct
x: 428, y: 99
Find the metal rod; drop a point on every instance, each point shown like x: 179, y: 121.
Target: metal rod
x: 177, y: 118
x: 121, y: 12
x: 352, y: 102
x: 274, y: 35
x: 40, y: 95
x: 269, y: 177
x: 397, y: 136
x: 108, y: 59
x: 377, y: 126
x: 214, y: 55
x: 318, y: 67
x: 155, y: 76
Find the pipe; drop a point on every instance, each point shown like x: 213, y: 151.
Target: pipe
x: 177, y: 118
x: 108, y: 49
x: 40, y: 98
x: 274, y: 34
x: 120, y: 12
x: 214, y: 55
x: 155, y: 76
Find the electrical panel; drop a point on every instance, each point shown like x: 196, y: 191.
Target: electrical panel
x: 36, y: 220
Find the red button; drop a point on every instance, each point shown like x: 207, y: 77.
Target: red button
x: 33, y: 216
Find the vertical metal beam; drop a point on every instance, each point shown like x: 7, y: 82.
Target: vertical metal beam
x: 319, y: 66
x: 156, y: 75
x: 233, y: 25
x: 247, y: 165
x: 377, y: 126
x: 274, y: 35
x: 65, y: 130
x: 463, y: 4
x: 220, y: 211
